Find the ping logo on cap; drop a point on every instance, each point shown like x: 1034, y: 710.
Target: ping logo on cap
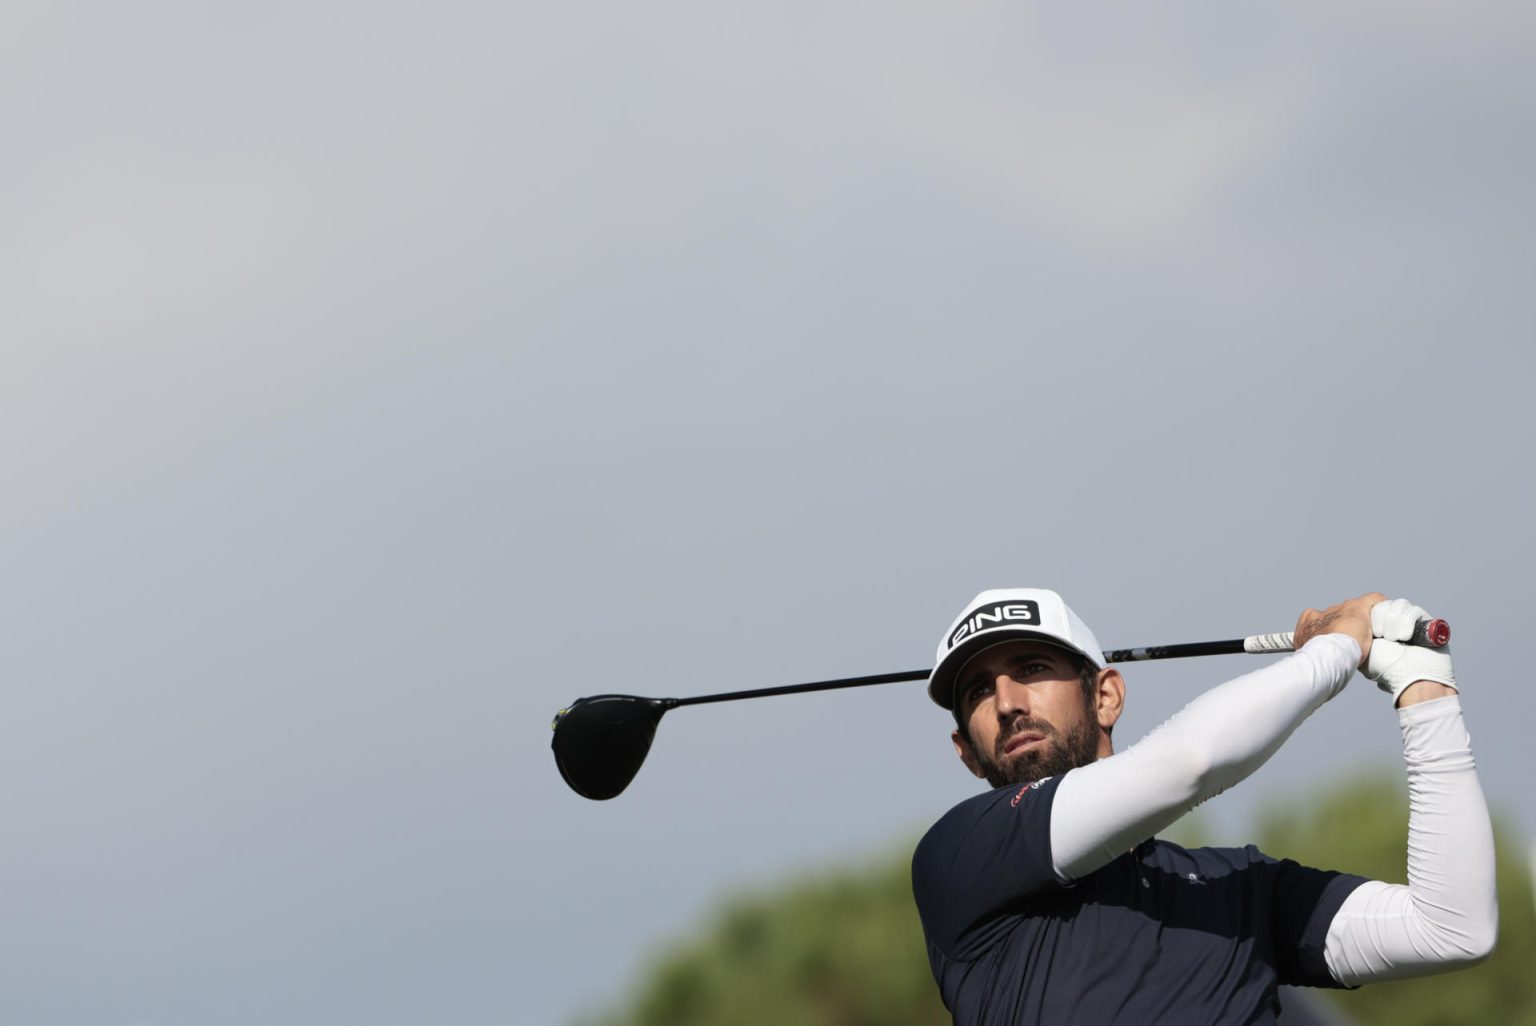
x: 1023, y: 612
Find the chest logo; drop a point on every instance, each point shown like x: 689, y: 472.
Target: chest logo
x: 1025, y: 790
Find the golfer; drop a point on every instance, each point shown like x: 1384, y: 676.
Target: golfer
x: 1049, y: 900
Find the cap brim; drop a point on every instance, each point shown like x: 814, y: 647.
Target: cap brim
x: 941, y: 683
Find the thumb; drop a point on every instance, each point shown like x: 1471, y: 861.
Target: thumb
x: 1383, y: 654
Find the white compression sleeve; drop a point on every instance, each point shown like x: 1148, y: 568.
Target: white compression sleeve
x: 1104, y: 809
x: 1448, y: 915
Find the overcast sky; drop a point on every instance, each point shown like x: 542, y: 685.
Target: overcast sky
x: 377, y: 378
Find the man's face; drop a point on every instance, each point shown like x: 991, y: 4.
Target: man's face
x: 1026, y: 714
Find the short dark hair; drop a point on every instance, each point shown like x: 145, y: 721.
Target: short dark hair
x: 1087, y: 675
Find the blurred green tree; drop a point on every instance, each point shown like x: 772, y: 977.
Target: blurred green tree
x: 840, y: 949
x: 845, y: 948
x: 1362, y: 827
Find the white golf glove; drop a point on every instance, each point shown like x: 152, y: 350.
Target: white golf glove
x: 1394, y: 664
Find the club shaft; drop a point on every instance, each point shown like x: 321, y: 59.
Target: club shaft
x: 1426, y: 633
x: 1194, y: 648
x: 1121, y: 655
x: 1257, y: 644
x: 795, y: 689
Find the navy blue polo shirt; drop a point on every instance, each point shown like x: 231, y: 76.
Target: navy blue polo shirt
x: 1162, y: 934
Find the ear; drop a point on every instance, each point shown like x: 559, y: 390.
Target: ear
x: 1109, y: 698
x: 967, y: 754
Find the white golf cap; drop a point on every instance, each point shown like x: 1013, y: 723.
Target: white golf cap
x: 1007, y: 614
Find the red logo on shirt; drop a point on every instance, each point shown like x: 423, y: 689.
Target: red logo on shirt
x: 1027, y: 787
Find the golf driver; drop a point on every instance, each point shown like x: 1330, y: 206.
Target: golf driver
x: 601, y: 741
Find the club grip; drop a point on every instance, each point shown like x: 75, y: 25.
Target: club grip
x: 1434, y: 633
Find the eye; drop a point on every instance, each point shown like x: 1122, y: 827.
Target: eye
x: 976, y: 690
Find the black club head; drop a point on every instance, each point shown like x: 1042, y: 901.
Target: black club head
x: 600, y: 742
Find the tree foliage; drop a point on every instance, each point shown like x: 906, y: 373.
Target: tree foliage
x: 846, y: 948
x: 1362, y: 828
x: 842, y: 949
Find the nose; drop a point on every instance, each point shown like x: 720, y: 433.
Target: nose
x: 1012, y: 697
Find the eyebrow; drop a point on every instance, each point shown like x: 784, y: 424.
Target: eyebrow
x: 979, y: 674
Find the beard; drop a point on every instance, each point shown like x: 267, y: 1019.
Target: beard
x: 1056, y: 753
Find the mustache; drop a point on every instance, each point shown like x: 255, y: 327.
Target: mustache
x: 1023, y: 725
